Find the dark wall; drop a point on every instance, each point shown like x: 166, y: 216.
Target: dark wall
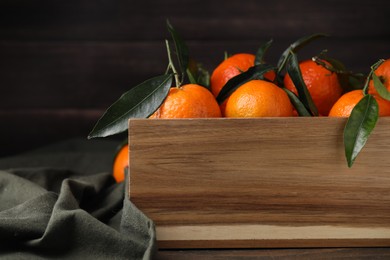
x: 62, y: 63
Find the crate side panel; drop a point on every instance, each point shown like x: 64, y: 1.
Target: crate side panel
x: 289, y: 171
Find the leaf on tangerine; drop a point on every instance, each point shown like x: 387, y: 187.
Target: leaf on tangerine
x: 139, y: 102
x: 295, y: 47
x: 380, y: 88
x: 297, y: 103
x: 255, y: 72
x: 359, y: 126
x: 296, y: 77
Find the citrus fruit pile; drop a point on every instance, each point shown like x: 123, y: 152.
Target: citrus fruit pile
x: 245, y: 85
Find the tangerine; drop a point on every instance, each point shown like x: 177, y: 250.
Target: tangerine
x: 231, y: 67
x: 258, y: 98
x: 121, y: 161
x: 323, y: 85
x: 188, y: 101
x: 383, y: 73
x: 344, y: 105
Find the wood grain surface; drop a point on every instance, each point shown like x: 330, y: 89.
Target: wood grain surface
x: 291, y: 172
x: 301, y: 253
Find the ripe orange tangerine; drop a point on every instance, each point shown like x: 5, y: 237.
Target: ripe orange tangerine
x: 322, y: 84
x: 121, y: 161
x: 344, y: 105
x: 188, y: 101
x: 258, y: 98
x: 231, y: 67
x: 383, y: 73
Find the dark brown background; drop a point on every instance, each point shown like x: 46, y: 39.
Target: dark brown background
x: 62, y: 63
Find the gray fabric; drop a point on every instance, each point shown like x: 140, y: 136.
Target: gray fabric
x: 62, y: 202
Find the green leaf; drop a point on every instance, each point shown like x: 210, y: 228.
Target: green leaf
x: 359, y: 126
x: 139, y: 102
x: 348, y: 80
x: 335, y: 64
x: 255, y: 72
x: 338, y: 66
x: 301, y: 109
x: 261, y: 52
x: 181, y: 49
x: 355, y: 81
x: 295, y: 47
x: 380, y: 88
x: 296, y: 77
x: 369, y: 77
x: 191, y: 77
x: 197, y: 74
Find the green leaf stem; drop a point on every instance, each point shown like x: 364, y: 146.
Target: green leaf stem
x: 182, y: 51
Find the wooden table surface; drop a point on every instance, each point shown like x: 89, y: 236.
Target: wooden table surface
x: 312, y: 253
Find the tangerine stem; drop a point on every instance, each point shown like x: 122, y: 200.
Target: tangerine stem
x: 171, y: 65
x: 373, y: 68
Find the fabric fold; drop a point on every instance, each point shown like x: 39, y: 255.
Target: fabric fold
x: 69, y: 212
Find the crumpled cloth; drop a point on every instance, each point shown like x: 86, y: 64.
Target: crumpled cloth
x: 62, y: 202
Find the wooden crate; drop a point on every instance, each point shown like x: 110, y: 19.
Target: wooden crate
x: 270, y: 182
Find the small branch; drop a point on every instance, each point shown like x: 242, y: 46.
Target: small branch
x: 373, y: 68
x: 171, y: 65
x: 320, y: 61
